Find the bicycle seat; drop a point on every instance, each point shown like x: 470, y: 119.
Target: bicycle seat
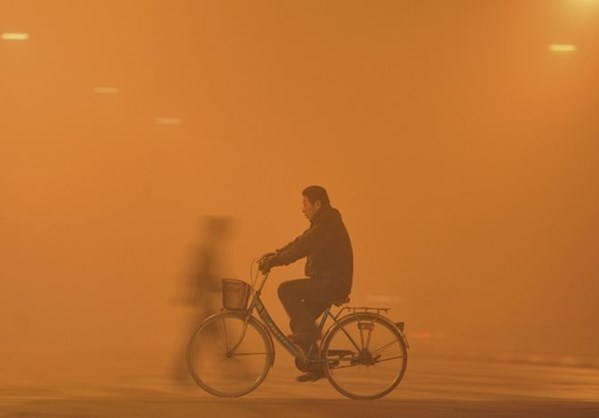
x: 341, y: 301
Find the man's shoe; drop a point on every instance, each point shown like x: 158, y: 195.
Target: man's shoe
x: 312, y: 376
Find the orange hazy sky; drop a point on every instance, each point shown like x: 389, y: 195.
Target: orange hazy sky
x: 462, y: 152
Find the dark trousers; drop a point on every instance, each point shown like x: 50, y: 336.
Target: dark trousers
x: 306, y: 299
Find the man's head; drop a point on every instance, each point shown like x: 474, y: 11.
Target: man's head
x: 315, y: 197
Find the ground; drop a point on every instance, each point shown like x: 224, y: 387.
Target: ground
x: 431, y: 388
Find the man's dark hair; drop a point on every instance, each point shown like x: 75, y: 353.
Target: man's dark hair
x: 314, y: 193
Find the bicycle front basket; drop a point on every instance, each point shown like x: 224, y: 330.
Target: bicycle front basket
x: 236, y: 294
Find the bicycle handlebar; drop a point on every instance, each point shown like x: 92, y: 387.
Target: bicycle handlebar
x: 261, y: 260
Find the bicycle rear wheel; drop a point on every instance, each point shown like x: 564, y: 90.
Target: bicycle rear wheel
x: 230, y: 354
x: 366, y: 356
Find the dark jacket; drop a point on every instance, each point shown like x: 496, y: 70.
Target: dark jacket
x: 326, y: 245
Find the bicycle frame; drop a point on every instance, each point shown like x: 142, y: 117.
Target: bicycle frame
x: 257, y: 304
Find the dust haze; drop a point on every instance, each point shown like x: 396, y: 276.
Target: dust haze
x: 461, y: 151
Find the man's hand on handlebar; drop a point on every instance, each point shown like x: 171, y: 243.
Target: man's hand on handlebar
x: 265, y: 263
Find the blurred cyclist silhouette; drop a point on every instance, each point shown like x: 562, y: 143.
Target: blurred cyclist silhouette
x: 201, y: 287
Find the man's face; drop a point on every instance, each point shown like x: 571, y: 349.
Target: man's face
x: 310, y: 208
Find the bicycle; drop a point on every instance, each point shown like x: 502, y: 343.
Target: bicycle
x: 363, y: 353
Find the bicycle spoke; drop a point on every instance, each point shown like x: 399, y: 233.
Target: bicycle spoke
x: 250, y: 354
x: 385, y: 347
x: 390, y: 358
x: 226, y: 336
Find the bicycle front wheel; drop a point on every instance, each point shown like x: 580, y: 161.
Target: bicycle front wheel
x: 230, y: 354
x: 366, y: 356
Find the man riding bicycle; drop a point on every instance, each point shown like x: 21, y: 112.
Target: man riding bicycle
x: 329, y: 267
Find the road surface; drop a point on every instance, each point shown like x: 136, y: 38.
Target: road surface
x: 431, y: 388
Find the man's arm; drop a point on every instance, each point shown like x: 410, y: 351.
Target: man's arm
x: 298, y: 248
x: 286, y: 247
